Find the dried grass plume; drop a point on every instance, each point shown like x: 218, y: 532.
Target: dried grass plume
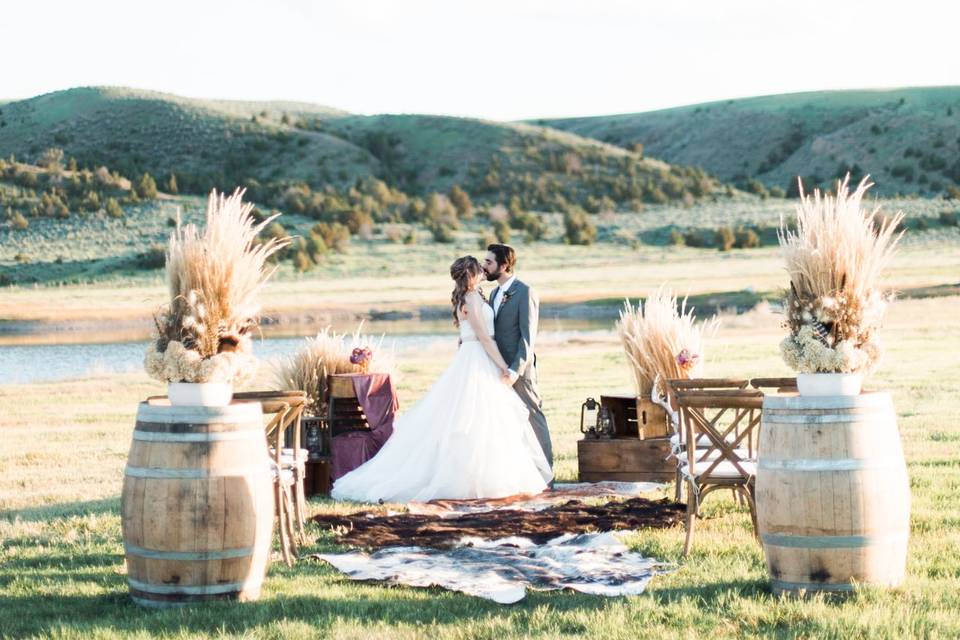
x: 214, y: 276
x: 836, y: 258
x: 326, y: 354
x: 662, y: 339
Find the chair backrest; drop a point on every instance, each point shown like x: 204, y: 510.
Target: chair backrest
x: 781, y: 385
x: 725, y: 423
x: 699, y: 384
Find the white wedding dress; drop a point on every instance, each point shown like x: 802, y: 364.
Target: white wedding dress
x: 468, y: 437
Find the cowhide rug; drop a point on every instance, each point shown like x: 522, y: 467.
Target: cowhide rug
x: 367, y: 529
x: 503, y: 570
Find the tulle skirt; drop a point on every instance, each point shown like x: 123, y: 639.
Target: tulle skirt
x: 468, y: 437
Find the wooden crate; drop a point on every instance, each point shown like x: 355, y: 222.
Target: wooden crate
x: 625, y: 459
x: 635, y: 417
x: 344, y: 413
x: 316, y: 480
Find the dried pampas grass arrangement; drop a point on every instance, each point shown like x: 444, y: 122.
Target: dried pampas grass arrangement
x: 662, y: 340
x: 326, y: 354
x: 836, y: 258
x: 214, y: 276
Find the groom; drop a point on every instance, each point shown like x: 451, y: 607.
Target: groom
x: 516, y: 311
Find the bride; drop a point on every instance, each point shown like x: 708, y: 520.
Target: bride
x: 469, y: 436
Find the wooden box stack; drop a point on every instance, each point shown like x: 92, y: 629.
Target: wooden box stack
x: 639, y: 449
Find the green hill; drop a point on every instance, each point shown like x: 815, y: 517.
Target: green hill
x: 270, y: 146
x: 203, y: 142
x: 906, y: 139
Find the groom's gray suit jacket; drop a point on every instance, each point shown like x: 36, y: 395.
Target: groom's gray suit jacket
x: 515, y: 332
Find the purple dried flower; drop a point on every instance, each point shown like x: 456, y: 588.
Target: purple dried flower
x: 686, y: 359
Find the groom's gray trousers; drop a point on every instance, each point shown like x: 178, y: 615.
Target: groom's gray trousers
x: 515, y: 332
x: 526, y: 388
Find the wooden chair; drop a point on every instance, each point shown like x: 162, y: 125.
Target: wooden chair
x: 678, y: 440
x: 729, y: 419
x: 288, y: 463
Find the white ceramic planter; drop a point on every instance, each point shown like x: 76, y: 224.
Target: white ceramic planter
x: 829, y: 384
x: 200, y: 394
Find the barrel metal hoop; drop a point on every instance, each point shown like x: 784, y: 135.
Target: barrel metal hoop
x: 195, y: 474
x: 864, y: 401
x: 157, y: 554
x: 831, y: 542
x: 192, y: 590
x: 872, y: 421
x: 214, y: 436
x: 231, y: 414
x: 811, y: 586
x: 837, y: 464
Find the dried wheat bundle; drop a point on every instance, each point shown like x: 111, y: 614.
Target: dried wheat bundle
x: 662, y: 339
x: 326, y: 354
x: 214, y: 276
x: 836, y: 258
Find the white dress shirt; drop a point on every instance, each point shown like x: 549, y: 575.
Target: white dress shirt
x: 498, y: 301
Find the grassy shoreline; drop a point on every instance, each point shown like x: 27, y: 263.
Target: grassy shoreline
x: 385, y: 279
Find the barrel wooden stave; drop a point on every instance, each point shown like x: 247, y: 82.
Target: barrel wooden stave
x: 833, y: 496
x: 203, y: 528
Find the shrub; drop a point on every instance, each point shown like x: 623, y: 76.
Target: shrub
x: 154, y: 257
x: 335, y: 236
x: 357, y: 221
x: 460, y: 200
x: 756, y: 187
x: 440, y: 213
x: 91, y: 201
x: 18, y: 221
x: 903, y: 170
x: 746, y: 239
x: 146, y: 187
x: 777, y: 192
x: 52, y: 159
x: 316, y: 247
x: 485, y: 239
x: 949, y: 219
x: 932, y: 162
x: 52, y: 205
x: 725, y: 238
x: 502, y: 231
x: 578, y: 229
x: 394, y: 235
x: 172, y: 184
x: 114, y: 210
x: 441, y: 232
x: 302, y: 261
x: 676, y: 238
x: 694, y: 238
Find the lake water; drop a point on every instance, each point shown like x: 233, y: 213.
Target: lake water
x: 26, y: 363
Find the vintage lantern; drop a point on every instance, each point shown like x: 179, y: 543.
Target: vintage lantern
x: 605, y: 428
x: 592, y: 420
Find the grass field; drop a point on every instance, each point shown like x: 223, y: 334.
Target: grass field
x: 63, y: 447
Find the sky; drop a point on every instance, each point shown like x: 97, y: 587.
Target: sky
x: 496, y: 59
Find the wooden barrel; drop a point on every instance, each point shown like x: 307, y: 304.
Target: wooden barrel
x: 833, y: 498
x: 197, y: 504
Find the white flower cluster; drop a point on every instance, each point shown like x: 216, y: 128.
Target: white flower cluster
x: 806, y: 352
x: 178, y: 364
